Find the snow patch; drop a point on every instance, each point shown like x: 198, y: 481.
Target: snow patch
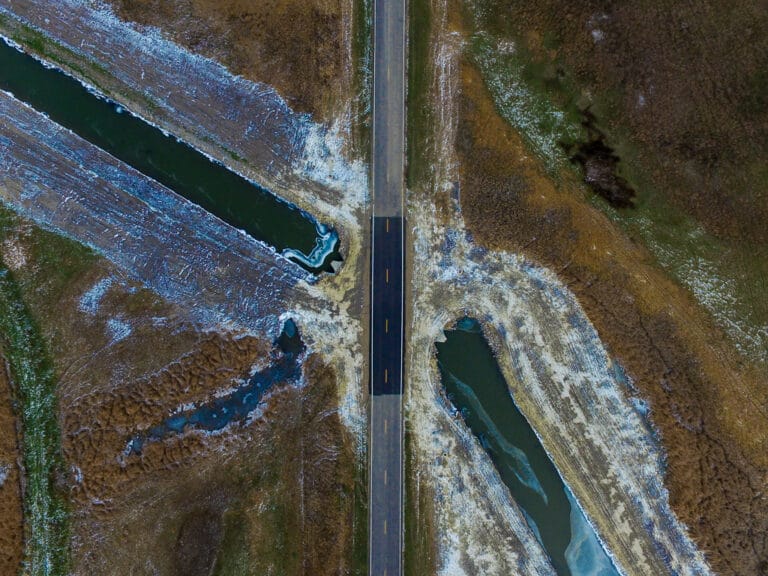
x: 14, y: 255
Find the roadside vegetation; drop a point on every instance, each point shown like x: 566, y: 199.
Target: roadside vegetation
x: 362, y: 57
x: 418, y: 104
x: 34, y: 388
x: 420, y: 545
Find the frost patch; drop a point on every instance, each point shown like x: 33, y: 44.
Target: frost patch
x: 4, y: 471
x: 89, y: 302
x: 118, y: 329
x: 14, y: 255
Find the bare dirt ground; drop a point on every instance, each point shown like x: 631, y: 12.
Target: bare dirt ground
x: 297, y: 46
x: 709, y: 406
x: 11, y: 515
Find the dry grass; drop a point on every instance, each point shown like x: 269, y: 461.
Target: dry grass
x: 709, y: 408
x: 683, y: 83
x: 11, y: 512
x: 273, y: 497
x: 294, y: 45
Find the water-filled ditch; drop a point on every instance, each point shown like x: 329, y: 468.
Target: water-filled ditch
x: 189, y: 173
x: 477, y: 390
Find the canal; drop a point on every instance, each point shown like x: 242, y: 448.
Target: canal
x: 477, y: 390
x: 240, y: 203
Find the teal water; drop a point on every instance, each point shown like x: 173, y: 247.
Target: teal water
x: 174, y: 164
x: 476, y: 388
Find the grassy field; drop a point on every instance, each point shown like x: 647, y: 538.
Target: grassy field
x: 536, y: 94
x: 420, y: 546
x: 34, y: 386
x: 675, y: 294
x: 418, y: 103
x: 362, y: 56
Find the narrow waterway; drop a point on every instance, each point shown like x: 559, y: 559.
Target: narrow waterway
x: 477, y: 390
x: 174, y: 164
x: 236, y: 406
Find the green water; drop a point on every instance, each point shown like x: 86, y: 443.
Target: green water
x: 476, y: 387
x: 178, y: 166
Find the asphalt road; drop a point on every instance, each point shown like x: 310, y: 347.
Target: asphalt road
x: 387, y: 230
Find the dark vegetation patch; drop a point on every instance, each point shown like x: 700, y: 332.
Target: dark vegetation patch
x: 679, y: 84
x: 198, y: 542
x: 46, y: 511
x: 600, y: 165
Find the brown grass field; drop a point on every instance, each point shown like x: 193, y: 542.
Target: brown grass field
x: 11, y: 512
x: 293, y: 45
x: 709, y: 406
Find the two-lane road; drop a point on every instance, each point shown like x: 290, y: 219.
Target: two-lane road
x: 387, y: 271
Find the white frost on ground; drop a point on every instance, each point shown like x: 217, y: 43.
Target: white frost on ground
x: 4, y: 470
x: 91, y: 299
x: 14, y: 255
x: 324, y: 162
x: 118, y: 329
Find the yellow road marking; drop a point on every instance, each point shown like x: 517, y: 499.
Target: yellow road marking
x: 385, y: 526
x: 387, y: 275
x: 385, y: 477
x: 386, y: 325
x: 387, y: 224
x: 385, y: 425
x: 386, y: 375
